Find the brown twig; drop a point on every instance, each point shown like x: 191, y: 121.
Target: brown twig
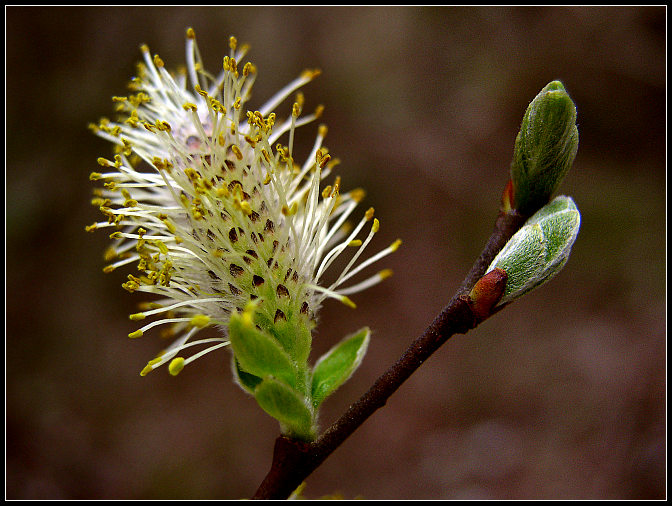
x: 294, y: 461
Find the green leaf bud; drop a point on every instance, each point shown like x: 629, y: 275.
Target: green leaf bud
x: 540, y: 249
x: 545, y: 147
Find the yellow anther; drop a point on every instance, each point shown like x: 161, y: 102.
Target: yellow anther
x: 310, y: 73
x: 136, y: 334
x: 296, y: 110
x: 176, y: 365
x: 110, y: 254
x: 130, y: 286
x: 161, y: 164
x: 322, y: 130
x: 169, y: 225
x: 200, y: 91
x: 133, y: 119
x: 158, y: 61
x: 247, y: 316
x: 103, y: 162
x: 355, y: 243
x: 375, y: 226
x: 395, y: 245
x: 91, y: 228
x: 345, y: 300
x: 290, y: 211
x: 369, y: 213
x: 119, y: 99
x: 217, y: 106
x: 244, y: 206
x: 99, y: 201
x: 357, y: 194
x: 108, y: 268
x: 116, y: 235
x: 233, y: 42
x: 323, y: 160
x: 144, y: 48
x: 137, y: 316
x: 190, y: 107
x: 236, y: 151
x: 248, y: 69
x: 150, y: 366
x: 200, y: 321
x: 161, y: 245
x: 385, y: 273
x: 190, y: 33
x: 164, y: 126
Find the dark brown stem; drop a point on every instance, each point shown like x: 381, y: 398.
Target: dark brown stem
x: 294, y: 461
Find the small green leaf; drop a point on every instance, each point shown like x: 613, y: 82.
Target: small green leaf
x: 258, y: 353
x: 287, y: 406
x: 337, y: 365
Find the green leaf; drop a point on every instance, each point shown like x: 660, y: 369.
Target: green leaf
x: 288, y: 407
x: 257, y: 352
x: 337, y: 365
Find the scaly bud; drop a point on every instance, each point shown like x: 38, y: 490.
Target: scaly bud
x: 540, y: 249
x: 545, y: 147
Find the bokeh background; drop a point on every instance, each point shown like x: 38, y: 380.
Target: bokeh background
x: 562, y: 395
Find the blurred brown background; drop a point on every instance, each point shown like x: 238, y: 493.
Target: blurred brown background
x: 562, y: 395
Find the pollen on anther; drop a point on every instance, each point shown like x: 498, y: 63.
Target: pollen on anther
x: 395, y: 245
x: 176, y: 365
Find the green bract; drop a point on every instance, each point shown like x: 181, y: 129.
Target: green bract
x: 540, y: 249
x: 272, y: 368
x: 545, y: 147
